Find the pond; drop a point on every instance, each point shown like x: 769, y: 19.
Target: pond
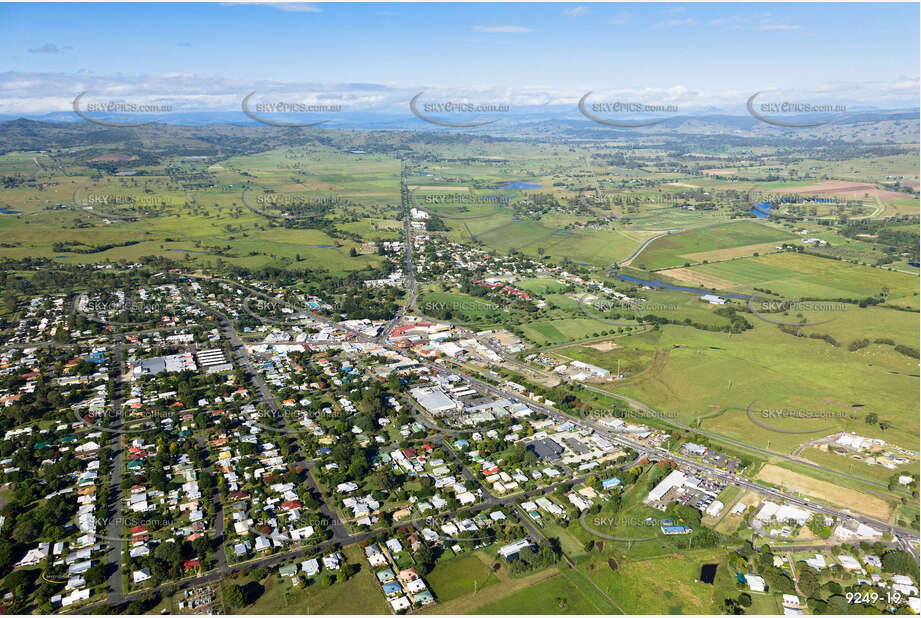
x: 762, y: 210
x: 516, y: 184
x: 708, y: 573
x: 655, y: 283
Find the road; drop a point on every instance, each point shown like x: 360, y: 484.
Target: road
x: 409, y: 269
x: 116, y: 524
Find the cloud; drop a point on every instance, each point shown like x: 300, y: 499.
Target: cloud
x: 47, y: 48
x: 673, y: 23
x: 290, y: 7
x: 184, y: 44
x: 576, y: 11
x: 503, y: 29
x: 762, y: 22
x: 619, y: 19
x: 38, y: 93
x: 777, y: 27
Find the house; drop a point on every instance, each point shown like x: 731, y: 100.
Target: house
x: 791, y: 601
x: 35, y: 555
x: 849, y: 562
x: 415, y: 586
x: 611, y: 483
x: 400, y: 604
x: 332, y: 561
x: 852, y: 530
x: 344, y: 488
x: 394, y: 546
x: 391, y: 589
x: 755, y: 583
x: 141, y: 576
x: 288, y: 570
x: 386, y: 576
x: 310, y: 567
x: 423, y: 597
x: 510, y: 551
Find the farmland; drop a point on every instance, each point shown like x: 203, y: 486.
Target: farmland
x: 681, y: 248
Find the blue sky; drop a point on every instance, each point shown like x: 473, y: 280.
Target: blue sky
x: 867, y: 52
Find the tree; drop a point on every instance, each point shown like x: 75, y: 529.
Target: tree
x: 899, y: 561
x: 233, y: 595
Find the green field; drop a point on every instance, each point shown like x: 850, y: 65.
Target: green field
x: 563, y: 594
x: 797, y: 275
x: 669, y: 251
x: 664, y: 585
x: 705, y: 373
x: 361, y: 594
x: 459, y: 576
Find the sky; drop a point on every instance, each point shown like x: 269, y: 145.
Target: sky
x: 207, y: 56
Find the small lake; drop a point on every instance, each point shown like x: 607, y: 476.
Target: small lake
x: 762, y: 210
x: 708, y: 573
x: 7, y: 211
x: 655, y: 283
x: 516, y: 184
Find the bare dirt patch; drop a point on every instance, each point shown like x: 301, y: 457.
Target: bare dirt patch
x: 113, y: 157
x: 683, y: 184
x: 604, y: 346
x: 436, y: 188
x: 686, y: 275
x: 835, y: 494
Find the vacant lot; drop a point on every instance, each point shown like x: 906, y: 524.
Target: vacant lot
x: 465, y: 574
x: 830, y: 492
